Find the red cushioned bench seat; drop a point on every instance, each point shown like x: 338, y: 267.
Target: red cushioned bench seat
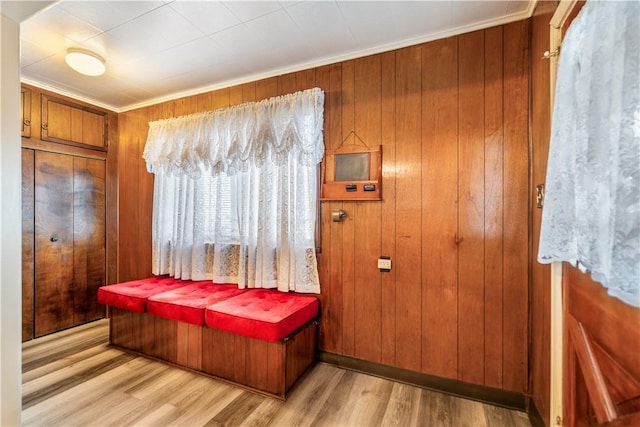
x: 133, y: 295
x: 262, y: 314
x: 187, y: 303
x: 216, y: 329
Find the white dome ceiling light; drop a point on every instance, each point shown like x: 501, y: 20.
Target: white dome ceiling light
x: 85, y: 62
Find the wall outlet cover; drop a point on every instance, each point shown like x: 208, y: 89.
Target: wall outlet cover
x: 384, y: 264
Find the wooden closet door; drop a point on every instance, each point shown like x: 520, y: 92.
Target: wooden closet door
x: 88, y: 238
x: 28, y: 236
x: 53, y: 242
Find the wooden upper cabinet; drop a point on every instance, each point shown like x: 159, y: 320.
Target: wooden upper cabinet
x: 25, y: 112
x: 73, y: 124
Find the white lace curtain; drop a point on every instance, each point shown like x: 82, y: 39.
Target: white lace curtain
x: 235, y: 193
x: 591, y: 215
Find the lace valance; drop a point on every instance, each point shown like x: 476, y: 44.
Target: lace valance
x: 230, y: 139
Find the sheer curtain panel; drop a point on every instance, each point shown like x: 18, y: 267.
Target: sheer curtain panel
x: 591, y: 215
x: 235, y: 193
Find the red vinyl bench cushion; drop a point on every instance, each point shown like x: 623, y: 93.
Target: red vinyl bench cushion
x: 133, y: 295
x: 187, y: 303
x: 262, y: 314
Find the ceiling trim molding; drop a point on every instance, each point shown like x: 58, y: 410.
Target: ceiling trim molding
x: 300, y: 66
x: 70, y: 94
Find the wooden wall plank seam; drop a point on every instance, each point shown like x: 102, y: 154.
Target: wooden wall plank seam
x: 471, y: 208
x: 440, y: 211
x: 494, y: 206
x: 388, y: 241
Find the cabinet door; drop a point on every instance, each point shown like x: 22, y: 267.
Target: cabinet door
x: 89, y: 254
x: 73, y: 124
x: 28, y: 183
x: 25, y: 112
x: 53, y: 242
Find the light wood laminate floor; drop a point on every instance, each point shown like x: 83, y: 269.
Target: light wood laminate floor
x: 72, y: 378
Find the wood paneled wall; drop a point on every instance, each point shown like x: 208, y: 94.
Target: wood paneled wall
x: 540, y: 375
x: 452, y: 119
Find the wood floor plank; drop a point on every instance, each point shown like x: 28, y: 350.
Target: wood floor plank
x: 329, y: 413
x: 75, y: 379
x: 237, y: 411
x: 309, y: 396
x: 158, y: 417
x: 471, y: 414
x: 57, y: 364
x: 208, y: 403
x: 264, y: 414
x: 402, y: 409
x: 364, y: 407
x: 65, y: 382
x: 36, y: 353
x: 435, y: 409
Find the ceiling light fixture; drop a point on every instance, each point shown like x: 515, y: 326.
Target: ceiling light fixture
x: 85, y: 62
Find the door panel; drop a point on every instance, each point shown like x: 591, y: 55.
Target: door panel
x: 88, y: 237
x: 28, y: 236
x: 603, y: 343
x: 53, y: 242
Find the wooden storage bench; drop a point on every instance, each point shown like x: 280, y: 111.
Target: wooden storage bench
x: 263, y: 340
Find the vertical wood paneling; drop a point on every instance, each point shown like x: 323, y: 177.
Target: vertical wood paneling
x: 135, y: 188
x: 92, y: 129
x: 287, y: 83
x: 493, y: 201
x: 61, y: 126
x: 127, y: 191
x: 408, y: 212
x: 388, y: 126
x: 367, y: 280
x: 441, y: 137
x: 327, y: 297
x: 216, y: 359
x: 204, y: 101
x: 111, y: 200
x: 471, y: 207
x: 275, y: 354
x: 347, y: 225
x: 266, y: 88
x: 163, y: 338
x: 248, y: 92
x: 235, y: 95
x: 516, y: 206
x: 440, y: 216
x: 258, y: 363
x: 240, y: 362
x: 28, y: 242
x: 145, y: 179
x: 332, y: 288
x: 188, y: 345
x: 221, y: 98
x: 76, y: 124
x: 305, y: 79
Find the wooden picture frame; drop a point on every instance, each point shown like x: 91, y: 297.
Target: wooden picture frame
x: 352, y: 173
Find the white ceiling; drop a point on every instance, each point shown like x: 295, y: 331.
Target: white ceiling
x: 159, y: 50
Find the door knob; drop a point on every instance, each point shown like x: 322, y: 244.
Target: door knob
x: 54, y: 238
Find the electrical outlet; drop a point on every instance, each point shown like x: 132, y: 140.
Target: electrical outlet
x: 384, y: 264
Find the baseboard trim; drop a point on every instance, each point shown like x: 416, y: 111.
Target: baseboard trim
x: 534, y: 416
x: 494, y: 396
